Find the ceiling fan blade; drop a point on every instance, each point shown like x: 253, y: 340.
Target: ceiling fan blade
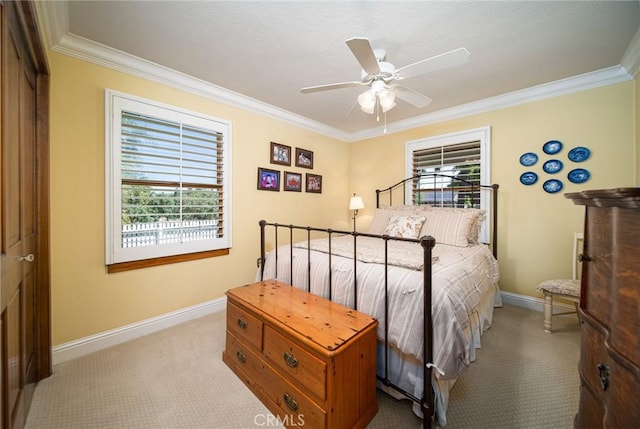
x: 330, y: 86
x: 447, y: 59
x: 412, y: 97
x: 362, y: 50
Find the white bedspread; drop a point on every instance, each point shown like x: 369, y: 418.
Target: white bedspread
x: 400, y: 253
x: 462, y: 276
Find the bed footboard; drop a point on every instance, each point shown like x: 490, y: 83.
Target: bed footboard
x: 427, y: 243
x: 435, y: 190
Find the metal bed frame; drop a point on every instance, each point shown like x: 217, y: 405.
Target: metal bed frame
x: 427, y: 243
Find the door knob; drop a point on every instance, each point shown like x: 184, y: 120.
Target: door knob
x: 28, y: 258
x: 584, y: 258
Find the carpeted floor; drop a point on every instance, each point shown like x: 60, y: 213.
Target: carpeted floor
x: 523, y: 378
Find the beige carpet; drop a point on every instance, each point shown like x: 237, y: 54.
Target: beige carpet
x: 523, y: 378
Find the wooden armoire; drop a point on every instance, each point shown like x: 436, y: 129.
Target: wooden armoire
x: 610, y: 310
x: 25, y: 342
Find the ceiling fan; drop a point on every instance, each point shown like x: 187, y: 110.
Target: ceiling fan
x: 381, y: 76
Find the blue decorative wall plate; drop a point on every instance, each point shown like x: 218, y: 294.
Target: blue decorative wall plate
x: 528, y: 178
x: 552, y: 166
x: 552, y: 186
x: 578, y: 175
x: 552, y: 146
x: 528, y: 159
x: 579, y: 154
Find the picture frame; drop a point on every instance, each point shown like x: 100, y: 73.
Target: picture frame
x: 292, y: 181
x: 304, y: 158
x: 280, y: 154
x: 268, y: 180
x: 313, y: 183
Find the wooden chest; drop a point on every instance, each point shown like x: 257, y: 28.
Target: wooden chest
x: 610, y: 310
x: 310, y: 361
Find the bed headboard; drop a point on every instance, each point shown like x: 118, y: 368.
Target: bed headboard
x: 442, y: 190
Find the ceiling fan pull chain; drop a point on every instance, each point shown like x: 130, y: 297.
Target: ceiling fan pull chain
x: 385, y: 123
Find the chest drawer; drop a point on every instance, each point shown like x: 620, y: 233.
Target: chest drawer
x: 593, y: 359
x: 295, y: 408
x: 296, y: 362
x: 609, y: 379
x: 242, y: 356
x: 244, y: 325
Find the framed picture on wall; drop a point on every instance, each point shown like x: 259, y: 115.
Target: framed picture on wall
x: 314, y: 183
x: 268, y: 180
x: 304, y: 158
x: 292, y: 181
x: 280, y: 154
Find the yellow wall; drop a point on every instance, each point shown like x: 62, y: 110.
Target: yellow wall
x: 85, y: 299
x: 535, y: 228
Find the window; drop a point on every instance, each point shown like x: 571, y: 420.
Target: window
x: 168, y: 181
x: 465, y: 156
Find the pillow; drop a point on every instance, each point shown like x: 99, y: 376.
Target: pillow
x: 473, y: 233
x: 474, y: 230
x: 407, y: 208
x: 452, y: 226
x: 381, y: 216
x: 380, y: 221
x: 404, y: 226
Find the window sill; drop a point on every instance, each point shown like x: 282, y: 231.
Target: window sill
x: 154, y: 262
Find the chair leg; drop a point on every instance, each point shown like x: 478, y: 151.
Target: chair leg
x: 577, y: 304
x: 548, y: 311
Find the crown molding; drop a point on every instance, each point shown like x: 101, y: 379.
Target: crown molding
x: 608, y: 76
x: 631, y: 58
x: 97, y: 53
x: 54, y: 20
x: 56, y: 24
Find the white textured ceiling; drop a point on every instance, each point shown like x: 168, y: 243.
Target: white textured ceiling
x: 269, y: 50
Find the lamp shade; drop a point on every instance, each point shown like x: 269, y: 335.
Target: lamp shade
x: 356, y: 203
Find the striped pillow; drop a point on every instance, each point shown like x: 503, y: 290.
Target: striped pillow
x: 450, y: 226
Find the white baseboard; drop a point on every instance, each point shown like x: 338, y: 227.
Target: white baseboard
x: 531, y: 303
x: 102, y: 340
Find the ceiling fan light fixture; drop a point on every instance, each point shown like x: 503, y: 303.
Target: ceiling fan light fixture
x: 387, y: 99
x: 378, y: 93
x: 381, y: 76
x: 367, y: 101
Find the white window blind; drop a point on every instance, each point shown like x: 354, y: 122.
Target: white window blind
x: 463, y: 156
x: 461, y: 160
x: 168, y: 181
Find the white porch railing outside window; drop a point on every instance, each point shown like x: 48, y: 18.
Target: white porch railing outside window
x: 154, y: 233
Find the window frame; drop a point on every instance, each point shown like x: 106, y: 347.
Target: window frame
x: 483, y: 135
x: 118, y: 258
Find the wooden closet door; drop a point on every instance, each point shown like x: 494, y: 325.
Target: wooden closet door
x: 19, y: 236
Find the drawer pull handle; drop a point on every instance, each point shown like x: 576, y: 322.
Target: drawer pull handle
x: 242, y: 324
x: 603, y: 373
x: 291, y: 403
x: 241, y: 356
x: 290, y: 360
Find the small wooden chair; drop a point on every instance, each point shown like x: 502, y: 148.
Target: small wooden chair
x: 567, y: 289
